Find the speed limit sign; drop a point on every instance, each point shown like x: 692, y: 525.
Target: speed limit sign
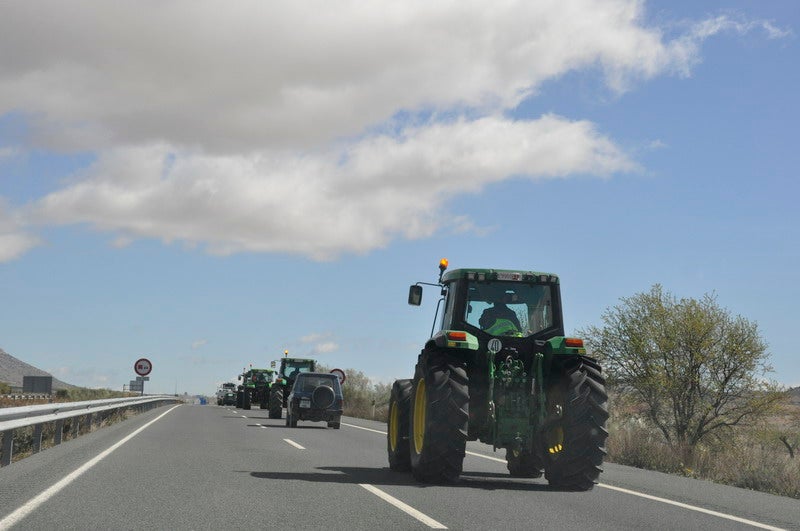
x: 143, y: 366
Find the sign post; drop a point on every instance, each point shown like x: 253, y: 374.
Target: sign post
x: 142, y: 367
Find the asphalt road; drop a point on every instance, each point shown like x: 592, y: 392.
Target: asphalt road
x: 209, y: 467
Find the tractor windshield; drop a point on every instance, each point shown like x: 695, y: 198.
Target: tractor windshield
x: 292, y: 368
x: 509, y: 308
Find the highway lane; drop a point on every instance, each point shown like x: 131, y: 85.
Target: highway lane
x: 208, y: 467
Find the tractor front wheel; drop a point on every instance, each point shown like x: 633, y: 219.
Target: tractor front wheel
x: 276, y: 402
x: 397, y: 442
x: 574, y: 446
x: 439, y: 419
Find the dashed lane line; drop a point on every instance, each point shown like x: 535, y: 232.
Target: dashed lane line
x: 295, y: 444
x: 422, y: 517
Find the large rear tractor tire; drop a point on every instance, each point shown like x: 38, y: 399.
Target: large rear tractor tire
x: 276, y: 402
x: 523, y: 464
x: 574, y: 447
x: 246, y: 399
x: 439, y: 419
x: 397, y: 434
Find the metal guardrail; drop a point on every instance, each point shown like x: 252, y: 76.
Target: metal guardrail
x: 13, y: 418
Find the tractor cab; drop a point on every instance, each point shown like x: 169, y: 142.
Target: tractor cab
x: 497, y: 303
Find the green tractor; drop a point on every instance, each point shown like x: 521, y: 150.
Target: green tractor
x: 255, y: 387
x: 499, y: 370
x: 288, y: 371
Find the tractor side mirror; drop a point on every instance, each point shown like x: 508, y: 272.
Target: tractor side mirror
x: 415, y: 295
x: 240, y: 376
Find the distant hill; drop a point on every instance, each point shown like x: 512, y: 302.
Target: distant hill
x: 12, y: 370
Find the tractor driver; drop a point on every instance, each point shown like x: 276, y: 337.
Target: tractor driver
x: 498, y: 318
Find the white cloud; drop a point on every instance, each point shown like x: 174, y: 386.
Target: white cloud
x: 264, y: 126
x: 14, y: 241
x: 353, y: 199
x: 324, y: 348
x: 321, y: 343
x: 257, y: 74
x: 199, y: 343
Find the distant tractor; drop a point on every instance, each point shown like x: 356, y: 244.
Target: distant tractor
x: 500, y: 370
x: 288, y: 371
x: 254, y: 388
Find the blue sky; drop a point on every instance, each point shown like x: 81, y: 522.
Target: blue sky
x: 213, y: 188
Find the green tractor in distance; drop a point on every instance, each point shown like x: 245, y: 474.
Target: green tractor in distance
x: 500, y: 370
x: 287, y: 373
x: 254, y: 388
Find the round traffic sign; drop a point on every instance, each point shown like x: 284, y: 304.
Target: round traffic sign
x: 339, y: 374
x: 143, y: 366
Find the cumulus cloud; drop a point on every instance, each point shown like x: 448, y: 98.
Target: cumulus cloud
x: 319, y: 343
x: 352, y: 199
x: 14, y: 240
x: 255, y: 74
x: 295, y: 127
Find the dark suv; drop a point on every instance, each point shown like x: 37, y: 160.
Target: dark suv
x: 229, y: 398
x: 315, y: 396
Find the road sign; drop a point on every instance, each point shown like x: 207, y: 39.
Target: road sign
x: 143, y: 367
x: 339, y: 374
x: 142, y: 378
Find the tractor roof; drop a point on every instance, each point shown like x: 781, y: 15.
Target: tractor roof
x: 499, y: 274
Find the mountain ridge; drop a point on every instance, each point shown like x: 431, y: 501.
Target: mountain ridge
x: 13, y: 369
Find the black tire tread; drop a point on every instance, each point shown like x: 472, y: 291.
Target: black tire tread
x: 400, y: 459
x: 276, y: 402
x: 447, y: 417
x: 578, y: 466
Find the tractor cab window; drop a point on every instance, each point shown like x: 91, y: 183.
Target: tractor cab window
x: 509, y: 308
x: 446, y: 319
x: 296, y: 368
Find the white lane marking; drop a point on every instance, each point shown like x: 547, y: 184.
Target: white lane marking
x: 422, y: 517
x: 631, y: 492
x: 15, y: 517
x: 294, y: 444
x: 243, y: 416
x: 490, y: 458
x: 691, y: 507
x: 384, y: 433
x: 363, y: 428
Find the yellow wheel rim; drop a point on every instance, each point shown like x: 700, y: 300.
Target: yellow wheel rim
x: 394, y: 420
x: 420, y: 406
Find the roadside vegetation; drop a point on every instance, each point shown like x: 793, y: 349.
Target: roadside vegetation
x: 75, y: 394
x: 692, y: 395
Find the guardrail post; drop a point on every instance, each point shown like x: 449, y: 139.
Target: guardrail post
x: 59, y: 432
x: 75, y: 427
x: 37, y: 438
x: 8, y: 447
x: 89, y: 420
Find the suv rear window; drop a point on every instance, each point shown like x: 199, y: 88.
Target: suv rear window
x: 309, y: 383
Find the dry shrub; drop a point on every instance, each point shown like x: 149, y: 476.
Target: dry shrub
x: 746, y: 459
